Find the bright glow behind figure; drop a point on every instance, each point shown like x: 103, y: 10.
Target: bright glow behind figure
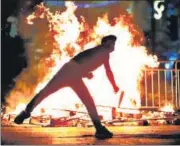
x: 128, y: 61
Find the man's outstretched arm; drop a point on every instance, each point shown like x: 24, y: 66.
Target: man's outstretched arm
x: 110, y: 76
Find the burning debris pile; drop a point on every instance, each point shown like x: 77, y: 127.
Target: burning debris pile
x: 52, y: 39
x: 117, y: 117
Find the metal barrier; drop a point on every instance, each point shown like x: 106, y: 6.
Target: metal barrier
x: 161, y: 86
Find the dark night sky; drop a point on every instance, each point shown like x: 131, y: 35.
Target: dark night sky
x: 13, y: 58
x: 10, y: 66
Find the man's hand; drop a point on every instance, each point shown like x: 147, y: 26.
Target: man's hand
x: 90, y: 75
x: 116, y: 89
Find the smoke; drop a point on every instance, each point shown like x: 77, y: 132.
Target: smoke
x: 142, y: 14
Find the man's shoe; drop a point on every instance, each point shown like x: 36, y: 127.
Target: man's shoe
x: 103, y: 133
x: 21, y: 117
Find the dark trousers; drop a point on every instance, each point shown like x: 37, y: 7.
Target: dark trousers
x: 68, y: 76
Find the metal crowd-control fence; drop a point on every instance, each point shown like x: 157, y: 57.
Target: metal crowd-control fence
x: 161, y: 86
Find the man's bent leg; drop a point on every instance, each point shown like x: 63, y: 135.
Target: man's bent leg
x: 81, y: 90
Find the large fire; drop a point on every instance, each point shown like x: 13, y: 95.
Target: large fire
x: 57, y: 37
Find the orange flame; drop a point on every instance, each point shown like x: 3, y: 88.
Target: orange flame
x: 65, y: 32
x: 167, y: 108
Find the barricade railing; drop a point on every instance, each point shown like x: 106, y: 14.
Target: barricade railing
x: 161, y: 86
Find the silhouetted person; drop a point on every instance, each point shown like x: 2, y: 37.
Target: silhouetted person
x: 71, y: 75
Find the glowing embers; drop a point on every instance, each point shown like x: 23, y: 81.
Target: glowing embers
x: 168, y: 108
x: 80, y: 118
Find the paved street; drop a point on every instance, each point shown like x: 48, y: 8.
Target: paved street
x: 28, y: 134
